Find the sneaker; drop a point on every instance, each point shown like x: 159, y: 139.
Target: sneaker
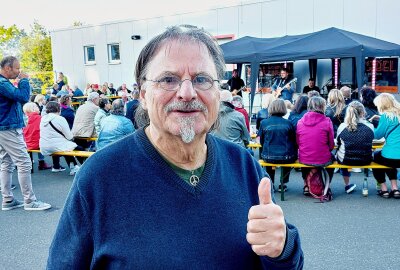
x: 12, y: 187
x: 36, y: 206
x: 280, y: 188
x: 61, y: 169
x: 356, y: 170
x: 350, y: 188
x: 74, y: 170
x: 11, y: 205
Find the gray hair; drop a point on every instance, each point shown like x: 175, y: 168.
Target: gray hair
x: 117, y: 107
x: 8, y: 61
x: 316, y: 104
x: 181, y: 33
x: 92, y: 96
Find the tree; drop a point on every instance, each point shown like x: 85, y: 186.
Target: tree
x: 36, y: 57
x: 10, y: 38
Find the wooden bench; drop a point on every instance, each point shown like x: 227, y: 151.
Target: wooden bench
x: 335, y: 165
x: 255, y: 145
x: 91, y: 139
x: 84, y: 154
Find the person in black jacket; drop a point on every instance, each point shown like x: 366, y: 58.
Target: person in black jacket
x: 354, y: 140
x: 367, y: 99
x: 66, y: 111
x: 278, y: 138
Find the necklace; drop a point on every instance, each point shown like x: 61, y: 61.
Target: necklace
x: 194, y: 179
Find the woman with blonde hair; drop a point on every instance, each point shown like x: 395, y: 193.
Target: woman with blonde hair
x: 263, y: 113
x: 40, y: 101
x: 354, y: 140
x: 336, y: 108
x: 388, y: 128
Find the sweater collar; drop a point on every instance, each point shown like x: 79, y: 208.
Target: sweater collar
x: 168, y: 173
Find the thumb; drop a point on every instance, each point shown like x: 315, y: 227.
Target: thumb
x: 264, y: 191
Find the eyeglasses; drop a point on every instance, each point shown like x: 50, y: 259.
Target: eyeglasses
x: 173, y: 83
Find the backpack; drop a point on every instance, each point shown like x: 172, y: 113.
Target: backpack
x: 318, y: 183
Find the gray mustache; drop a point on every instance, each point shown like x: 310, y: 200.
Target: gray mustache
x: 185, y: 106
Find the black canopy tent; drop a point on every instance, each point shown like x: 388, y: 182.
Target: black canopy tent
x: 328, y: 43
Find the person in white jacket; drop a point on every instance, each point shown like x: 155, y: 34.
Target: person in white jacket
x: 55, y: 136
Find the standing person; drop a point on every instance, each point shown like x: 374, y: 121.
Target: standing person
x: 282, y: 88
x: 314, y: 135
x: 354, y: 140
x: 12, y: 145
x: 174, y: 175
x: 388, y: 128
x: 310, y: 86
x: 236, y: 84
x: 278, y: 139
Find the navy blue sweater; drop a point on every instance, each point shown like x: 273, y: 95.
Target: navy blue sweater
x: 141, y: 215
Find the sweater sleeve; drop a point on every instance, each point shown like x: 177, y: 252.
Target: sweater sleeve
x: 72, y: 246
x: 292, y: 257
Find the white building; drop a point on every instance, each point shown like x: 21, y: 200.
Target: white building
x: 107, y: 52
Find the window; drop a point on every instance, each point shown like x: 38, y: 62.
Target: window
x: 113, y: 53
x: 90, y: 57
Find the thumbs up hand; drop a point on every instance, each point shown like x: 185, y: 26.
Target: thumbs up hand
x: 266, y: 229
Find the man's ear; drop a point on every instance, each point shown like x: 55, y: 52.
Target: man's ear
x: 142, y: 94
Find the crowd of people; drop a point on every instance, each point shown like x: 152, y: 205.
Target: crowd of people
x: 320, y: 131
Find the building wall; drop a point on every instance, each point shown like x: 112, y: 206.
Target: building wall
x: 254, y: 18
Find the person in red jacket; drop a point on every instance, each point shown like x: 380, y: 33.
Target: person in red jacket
x: 237, y: 101
x: 32, y: 132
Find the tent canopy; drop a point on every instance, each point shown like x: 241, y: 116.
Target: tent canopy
x: 328, y: 43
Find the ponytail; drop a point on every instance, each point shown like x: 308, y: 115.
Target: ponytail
x: 355, y: 112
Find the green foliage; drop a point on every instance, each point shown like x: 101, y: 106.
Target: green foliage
x: 36, y: 50
x: 9, y: 40
x: 40, y: 81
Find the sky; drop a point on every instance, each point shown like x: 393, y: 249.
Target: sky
x: 55, y: 14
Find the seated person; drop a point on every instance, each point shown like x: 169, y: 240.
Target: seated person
x: 354, y: 140
x: 56, y: 136
x: 104, y: 110
x: 115, y: 126
x: 278, y: 140
x: 232, y: 126
x: 299, y: 110
x: 314, y: 135
x: 32, y: 132
x: 237, y: 101
x: 263, y: 113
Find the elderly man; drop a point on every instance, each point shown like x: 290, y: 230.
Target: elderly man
x: 84, y: 120
x: 346, y: 91
x: 232, y: 125
x: 181, y: 198
x: 12, y: 145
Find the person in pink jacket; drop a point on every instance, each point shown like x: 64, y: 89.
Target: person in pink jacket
x: 315, y: 138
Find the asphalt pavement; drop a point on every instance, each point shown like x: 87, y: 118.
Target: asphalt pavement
x: 350, y: 232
